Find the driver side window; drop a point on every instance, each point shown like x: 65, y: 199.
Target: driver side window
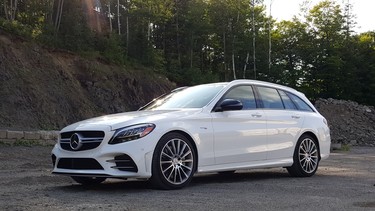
x: 244, y: 94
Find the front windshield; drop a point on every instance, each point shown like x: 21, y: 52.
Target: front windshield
x: 191, y: 97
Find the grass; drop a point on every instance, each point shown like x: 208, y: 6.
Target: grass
x: 345, y: 147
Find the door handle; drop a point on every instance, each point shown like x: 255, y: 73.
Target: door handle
x: 256, y: 115
x: 296, y: 116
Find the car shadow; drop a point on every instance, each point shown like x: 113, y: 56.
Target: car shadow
x: 115, y: 185
x: 238, y: 177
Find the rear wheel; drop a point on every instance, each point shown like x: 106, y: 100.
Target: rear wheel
x: 89, y: 180
x: 306, y: 157
x: 174, y: 162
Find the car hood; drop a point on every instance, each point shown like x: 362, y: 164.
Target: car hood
x: 115, y: 121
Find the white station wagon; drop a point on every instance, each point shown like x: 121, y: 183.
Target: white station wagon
x: 219, y: 127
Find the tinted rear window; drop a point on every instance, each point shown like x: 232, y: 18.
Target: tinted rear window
x: 302, y: 105
x: 270, y: 98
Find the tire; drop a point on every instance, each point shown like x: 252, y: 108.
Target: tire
x: 306, y: 157
x: 174, y: 162
x: 89, y: 180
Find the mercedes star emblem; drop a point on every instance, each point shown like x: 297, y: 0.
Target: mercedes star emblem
x: 75, y: 141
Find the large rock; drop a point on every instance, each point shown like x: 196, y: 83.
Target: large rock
x: 350, y: 122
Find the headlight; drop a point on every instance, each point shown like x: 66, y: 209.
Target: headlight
x: 131, y: 133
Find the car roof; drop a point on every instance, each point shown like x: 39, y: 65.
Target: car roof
x: 261, y: 83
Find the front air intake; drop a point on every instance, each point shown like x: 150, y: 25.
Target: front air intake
x: 124, y: 163
x: 79, y: 164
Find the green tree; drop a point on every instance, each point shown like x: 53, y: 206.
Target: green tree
x: 326, y: 69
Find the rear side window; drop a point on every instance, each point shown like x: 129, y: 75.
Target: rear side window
x: 302, y: 105
x: 270, y: 98
x: 244, y: 94
x: 287, y: 101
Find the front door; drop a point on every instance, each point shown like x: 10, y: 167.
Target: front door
x: 240, y: 136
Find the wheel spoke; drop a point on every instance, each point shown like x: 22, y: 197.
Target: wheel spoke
x: 170, y: 174
x: 174, y: 147
x: 185, y: 166
x: 314, y: 161
x: 169, y: 149
x: 178, y: 147
x: 165, y: 154
x: 179, y: 173
x: 165, y: 170
x: 303, y: 148
x: 308, y: 145
x: 175, y: 175
x: 182, y: 150
x: 186, y: 154
x: 311, y: 166
x: 183, y: 171
x: 187, y: 161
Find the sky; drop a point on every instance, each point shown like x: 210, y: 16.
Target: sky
x: 364, y: 10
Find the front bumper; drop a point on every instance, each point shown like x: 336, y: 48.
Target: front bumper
x: 107, y: 160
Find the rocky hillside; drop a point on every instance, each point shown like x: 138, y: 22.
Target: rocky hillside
x: 350, y: 122
x: 45, y: 89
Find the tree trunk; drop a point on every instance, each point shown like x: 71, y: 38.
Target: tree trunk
x: 254, y: 57
x: 60, y: 6
x: 50, y: 14
x: 15, y: 9
x: 225, y: 62
x: 110, y: 16
x: 6, y: 11
x: 233, y: 67
x: 118, y: 17
x: 10, y: 11
x: 177, y: 37
x: 191, y: 50
x: 149, y: 26
x: 127, y: 32
x: 233, y: 46
x: 60, y: 14
x: 57, y: 14
x: 245, y: 66
x: 148, y: 30
x: 269, y: 40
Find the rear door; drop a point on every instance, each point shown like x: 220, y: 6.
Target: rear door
x: 284, y: 122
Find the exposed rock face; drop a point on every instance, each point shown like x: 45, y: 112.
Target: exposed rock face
x: 350, y: 122
x: 44, y: 89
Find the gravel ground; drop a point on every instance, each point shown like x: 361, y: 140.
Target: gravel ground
x: 346, y: 181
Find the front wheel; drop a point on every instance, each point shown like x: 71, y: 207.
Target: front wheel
x: 89, y: 180
x: 305, y: 158
x: 174, y: 162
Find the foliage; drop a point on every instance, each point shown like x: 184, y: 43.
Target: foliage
x: 198, y: 41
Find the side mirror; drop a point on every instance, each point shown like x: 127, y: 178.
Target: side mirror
x: 229, y: 105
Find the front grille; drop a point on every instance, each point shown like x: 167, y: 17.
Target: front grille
x: 124, y: 163
x: 79, y: 164
x: 90, y: 140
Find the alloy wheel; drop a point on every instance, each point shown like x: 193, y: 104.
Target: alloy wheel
x: 308, y: 155
x: 176, y: 161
